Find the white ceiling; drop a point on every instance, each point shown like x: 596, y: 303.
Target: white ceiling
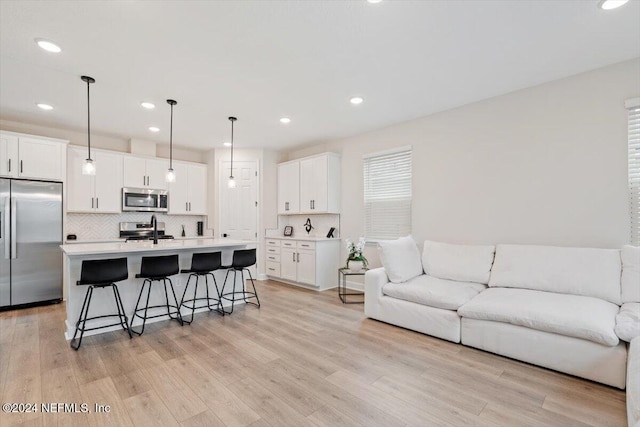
x: 261, y: 60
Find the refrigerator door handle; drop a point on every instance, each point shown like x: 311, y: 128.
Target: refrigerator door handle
x: 14, y: 216
x: 7, y: 229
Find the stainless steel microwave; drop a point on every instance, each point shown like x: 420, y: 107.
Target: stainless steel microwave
x: 144, y: 200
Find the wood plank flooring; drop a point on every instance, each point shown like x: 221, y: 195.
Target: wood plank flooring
x: 303, y: 359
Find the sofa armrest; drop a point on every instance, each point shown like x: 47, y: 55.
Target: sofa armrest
x: 374, y: 280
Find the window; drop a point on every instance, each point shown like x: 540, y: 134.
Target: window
x: 387, y: 194
x: 633, y: 105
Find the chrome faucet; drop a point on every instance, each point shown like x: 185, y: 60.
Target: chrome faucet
x: 154, y: 223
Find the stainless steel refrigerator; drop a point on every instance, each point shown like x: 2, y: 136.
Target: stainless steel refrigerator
x: 30, y: 236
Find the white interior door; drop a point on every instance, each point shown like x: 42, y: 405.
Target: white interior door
x: 239, y: 205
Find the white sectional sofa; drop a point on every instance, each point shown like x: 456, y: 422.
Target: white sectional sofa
x: 549, y: 306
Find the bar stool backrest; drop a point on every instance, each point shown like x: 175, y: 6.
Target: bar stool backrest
x: 103, y: 271
x: 206, y: 262
x: 243, y: 258
x: 159, y: 266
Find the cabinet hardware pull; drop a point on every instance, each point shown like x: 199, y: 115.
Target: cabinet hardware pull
x: 186, y: 206
x: 272, y: 269
x: 92, y: 203
x: 9, y: 165
x: 310, y: 204
x: 294, y: 256
x: 298, y: 257
x: 97, y: 203
x: 189, y: 206
x: 20, y: 166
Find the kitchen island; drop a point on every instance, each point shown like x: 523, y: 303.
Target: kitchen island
x: 103, y: 302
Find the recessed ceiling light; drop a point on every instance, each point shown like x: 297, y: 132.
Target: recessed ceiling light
x: 374, y: 1
x: 48, y: 45
x: 356, y: 100
x: 227, y: 144
x: 46, y: 107
x: 154, y: 129
x: 147, y: 105
x: 611, y: 4
x: 285, y: 120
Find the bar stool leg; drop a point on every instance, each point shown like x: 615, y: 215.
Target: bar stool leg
x: 121, y: 312
x: 184, y: 293
x: 175, y: 299
x: 255, y: 293
x: 146, y: 307
x: 84, y: 312
x: 219, y: 307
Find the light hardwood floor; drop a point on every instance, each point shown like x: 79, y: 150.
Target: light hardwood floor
x: 303, y: 359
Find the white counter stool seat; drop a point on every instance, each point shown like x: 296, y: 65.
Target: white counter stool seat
x: 157, y: 269
x: 242, y: 260
x: 101, y: 274
x: 203, y: 265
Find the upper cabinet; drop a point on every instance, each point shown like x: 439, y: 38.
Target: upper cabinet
x: 188, y: 194
x: 140, y: 172
x: 99, y: 193
x: 289, y: 188
x: 27, y: 156
x: 309, y: 185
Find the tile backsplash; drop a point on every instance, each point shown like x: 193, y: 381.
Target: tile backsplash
x: 106, y: 226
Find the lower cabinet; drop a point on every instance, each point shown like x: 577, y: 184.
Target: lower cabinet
x: 307, y: 262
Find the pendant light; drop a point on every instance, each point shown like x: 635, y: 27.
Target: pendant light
x: 232, y: 180
x: 171, y: 176
x: 88, y: 168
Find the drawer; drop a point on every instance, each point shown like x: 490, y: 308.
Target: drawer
x: 273, y: 250
x: 273, y: 242
x: 306, y: 245
x: 273, y: 258
x: 288, y: 244
x: 273, y: 269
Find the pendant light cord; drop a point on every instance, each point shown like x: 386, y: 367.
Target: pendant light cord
x: 171, y: 141
x: 88, y: 120
x: 232, y: 148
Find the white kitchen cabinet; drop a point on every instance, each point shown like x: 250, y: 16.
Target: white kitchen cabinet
x: 188, y: 194
x: 141, y: 172
x: 28, y: 156
x: 99, y: 193
x: 310, y: 263
x: 310, y: 185
x: 289, y: 188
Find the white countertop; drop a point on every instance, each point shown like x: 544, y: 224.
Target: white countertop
x: 78, y: 249
x: 123, y: 239
x: 304, y: 238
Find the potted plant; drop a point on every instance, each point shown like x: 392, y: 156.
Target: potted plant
x: 356, y: 260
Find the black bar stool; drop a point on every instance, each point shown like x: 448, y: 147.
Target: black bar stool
x: 101, y: 274
x: 203, y: 264
x: 157, y: 269
x: 242, y: 259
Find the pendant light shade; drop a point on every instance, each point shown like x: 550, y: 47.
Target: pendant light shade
x: 88, y: 168
x: 232, y: 181
x: 171, y: 176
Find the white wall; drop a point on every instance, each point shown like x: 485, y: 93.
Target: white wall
x: 100, y: 141
x: 544, y: 165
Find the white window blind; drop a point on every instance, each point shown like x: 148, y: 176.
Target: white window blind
x: 634, y: 168
x: 387, y: 194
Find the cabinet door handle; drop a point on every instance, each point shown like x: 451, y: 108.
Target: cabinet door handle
x: 186, y: 206
x: 92, y: 203
x: 189, y: 206
x: 144, y: 180
x: 294, y: 256
x: 9, y: 165
x: 97, y: 203
x: 272, y: 269
x: 310, y: 204
x: 298, y: 254
x: 286, y: 206
x: 20, y: 166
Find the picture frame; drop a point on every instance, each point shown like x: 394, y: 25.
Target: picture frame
x: 288, y: 231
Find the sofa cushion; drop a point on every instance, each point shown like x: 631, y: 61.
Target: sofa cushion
x: 576, y: 316
x: 576, y: 271
x: 400, y: 259
x: 630, y: 273
x: 628, y: 321
x: 434, y: 292
x: 465, y: 263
